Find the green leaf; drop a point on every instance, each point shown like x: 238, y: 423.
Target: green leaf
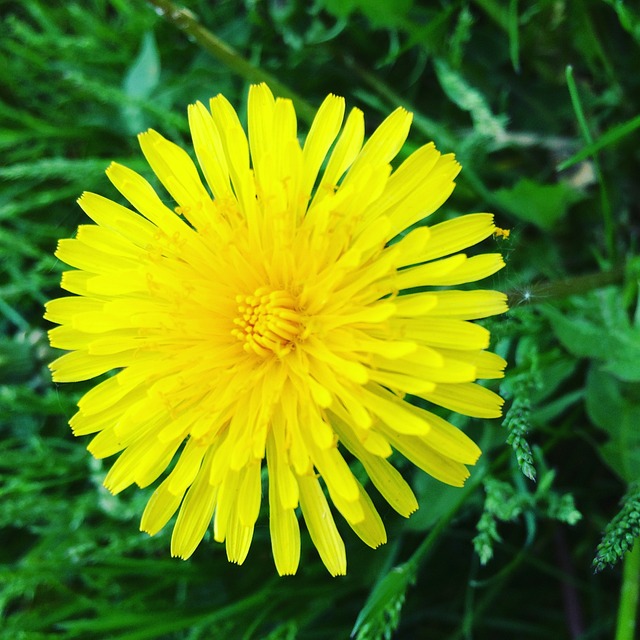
x: 540, y: 204
x: 380, y: 614
x: 139, y: 82
x: 579, y: 336
x: 619, y: 417
x: 617, y: 346
x: 381, y: 13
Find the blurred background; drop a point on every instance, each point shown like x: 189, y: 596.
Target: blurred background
x: 539, y: 101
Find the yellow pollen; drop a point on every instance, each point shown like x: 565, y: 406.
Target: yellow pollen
x: 269, y: 322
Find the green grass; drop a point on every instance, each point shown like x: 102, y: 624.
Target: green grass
x: 539, y: 101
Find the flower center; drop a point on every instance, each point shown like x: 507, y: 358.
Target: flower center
x: 268, y: 322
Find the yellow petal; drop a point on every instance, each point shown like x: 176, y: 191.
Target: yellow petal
x: 227, y: 497
x: 457, y: 234
x: 109, y: 242
x: 431, y: 461
x: 66, y: 337
x: 187, y: 467
x: 79, y: 365
x: 467, y: 398
x: 422, y: 183
x: 354, y: 371
x: 467, y: 305
x: 63, y: 310
x: 195, y: 514
x: 238, y: 541
x: 402, y: 382
x: 488, y: 365
x: 114, y: 216
x: 412, y: 365
x: 441, y: 332
x: 398, y: 418
x: 411, y: 306
x: 160, y: 508
x: 321, y: 525
x: 285, y: 533
x: 136, y: 461
x: 261, y: 107
x: 370, y: 529
x: 411, y: 247
x: 441, y: 436
x: 409, y: 176
x: 236, y: 150
x: 106, y: 395
x: 336, y: 473
x: 383, y: 145
x: 474, y: 268
x: 420, y: 203
x: 82, y: 256
x: 281, y: 478
x: 323, y: 132
x: 384, y: 476
x: 249, y: 494
x: 344, y: 153
x: 207, y: 144
x: 429, y: 274
x: 144, y: 198
x: 174, y: 169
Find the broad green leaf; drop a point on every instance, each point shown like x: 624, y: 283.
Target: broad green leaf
x: 139, y: 82
x: 579, y: 336
x: 619, y: 417
x: 539, y: 204
x: 617, y: 346
x: 144, y: 74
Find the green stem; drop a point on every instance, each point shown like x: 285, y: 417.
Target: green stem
x: 629, y: 595
x: 496, y: 11
x: 514, y: 38
x: 184, y: 20
x: 564, y: 287
x: 607, y: 213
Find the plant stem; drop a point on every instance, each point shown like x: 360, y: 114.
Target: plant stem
x: 184, y: 20
x: 564, y: 287
x: 607, y: 214
x: 629, y: 595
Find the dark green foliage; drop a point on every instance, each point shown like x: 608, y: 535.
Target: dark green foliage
x: 551, y: 151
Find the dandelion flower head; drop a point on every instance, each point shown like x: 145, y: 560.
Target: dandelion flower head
x: 270, y: 324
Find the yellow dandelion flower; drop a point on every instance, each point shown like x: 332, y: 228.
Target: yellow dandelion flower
x: 267, y: 324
